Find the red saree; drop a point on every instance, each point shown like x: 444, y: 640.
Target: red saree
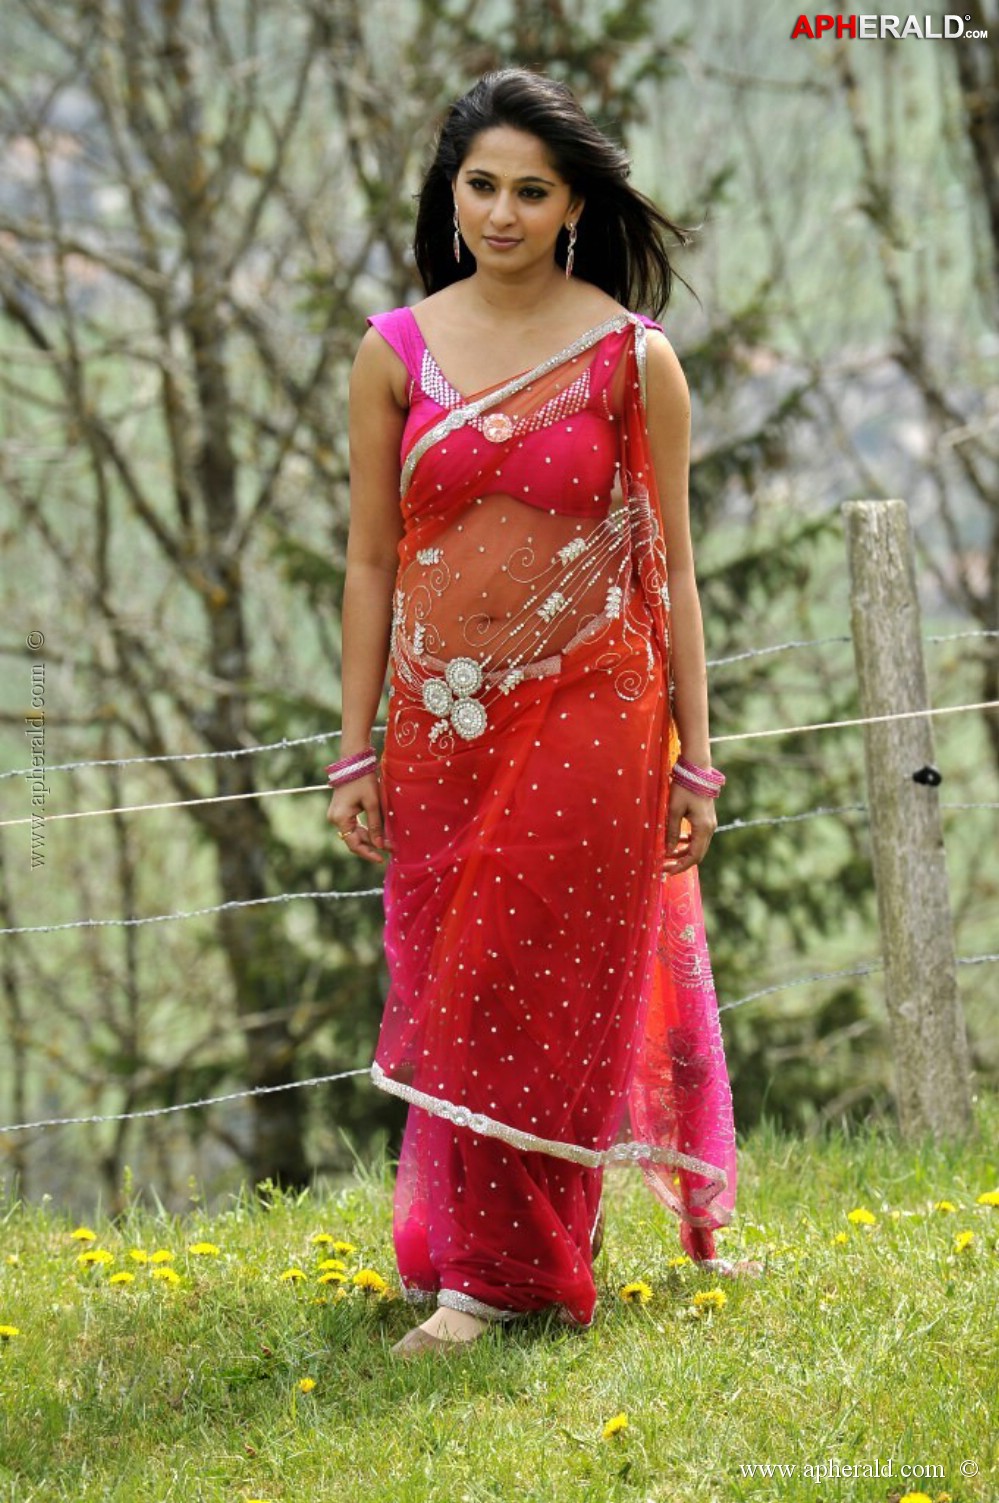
x: 551, y: 1009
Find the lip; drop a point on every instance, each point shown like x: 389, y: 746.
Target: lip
x: 500, y: 242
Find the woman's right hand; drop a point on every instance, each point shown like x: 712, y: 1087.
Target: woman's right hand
x: 349, y: 802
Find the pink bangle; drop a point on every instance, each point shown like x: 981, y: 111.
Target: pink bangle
x: 349, y: 768
x: 708, y: 782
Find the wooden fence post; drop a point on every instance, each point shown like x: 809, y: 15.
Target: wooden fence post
x: 933, y: 1091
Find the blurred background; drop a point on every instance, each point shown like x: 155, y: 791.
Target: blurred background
x: 200, y: 201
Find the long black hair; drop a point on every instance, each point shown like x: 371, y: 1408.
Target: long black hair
x: 621, y: 244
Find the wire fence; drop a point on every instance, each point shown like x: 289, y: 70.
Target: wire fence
x: 864, y: 968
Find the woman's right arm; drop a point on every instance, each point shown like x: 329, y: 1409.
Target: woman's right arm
x: 377, y: 419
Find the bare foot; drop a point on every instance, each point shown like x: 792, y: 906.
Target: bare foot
x: 453, y: 1325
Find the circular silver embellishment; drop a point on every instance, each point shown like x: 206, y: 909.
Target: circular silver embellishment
x: 436, y: 696
x: 468, y: 718
x: 497, y: 427
x: 464, y: 676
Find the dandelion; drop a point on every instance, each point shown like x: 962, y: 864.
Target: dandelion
x: 95, y: 1255
x: 840, y: 1239
x: 328, y: 1265
x: 13, y: 1261
x: 122, y: 1278
x: 963, y: 1241
x: 945, y: 1205
x: 204, y: 1250
x: 6, y: 1332
x: 138, y: 1255
x: 989, y: 1198
x: 370, y: 1281
x: 306, y: 1385
x: 915, y: 1498
x: 292, y: 1276
x: 615, y: 1426
x: 167, y: 1275
x: 709, y: 1299
x: 679, y: 1262
x: 343, y: 1247
x: 162, y: 1255
x: 861, y: 1217
x: 636, y: 1293
x: 333, y: 1277
x: 321, y: 1239
x: 83, y: 1234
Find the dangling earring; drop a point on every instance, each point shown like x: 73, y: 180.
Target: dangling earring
x: 457, y: 236
x: 571, y: 252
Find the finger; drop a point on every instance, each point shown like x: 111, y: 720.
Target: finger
x: 673, y: 823
x: 373, y: 813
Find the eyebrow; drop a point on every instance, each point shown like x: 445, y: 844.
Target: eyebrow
x: 530, y: 178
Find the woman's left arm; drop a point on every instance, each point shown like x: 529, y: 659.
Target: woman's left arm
x: 668, y: 412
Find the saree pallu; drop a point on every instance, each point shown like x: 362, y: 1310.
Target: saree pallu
x: 551, y: 1009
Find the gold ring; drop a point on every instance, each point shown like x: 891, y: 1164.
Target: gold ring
x: 344, y: 833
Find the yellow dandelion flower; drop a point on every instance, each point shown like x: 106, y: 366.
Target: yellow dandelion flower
x: 840, y: 1239
x: 6, y: 1332
x: 915, y: 1498
x: 329, y: 1264
x: 13, y: 1260
x: 680, y: 1262
x: 168, y: 1275
x: 83, y: 1234
x: 709, y: 1299
x: 861, y: 1217
x: 615, y: 1426
x: 292, y: 1276
x: 963, y: 1241
x: 138, y: 1255
x: 122, y: 1278
x: 321, y: 1239
x: 989, y: 1198
x: 306, y: 1385
x: 162, y: 1255
x: 333, y: 1277
x: 343, y: 1247
x: 204, y: 1250
x: 945, y: 1205
x: 369, y: 1280
x: 95, y: 1255
x: 636, y: 1292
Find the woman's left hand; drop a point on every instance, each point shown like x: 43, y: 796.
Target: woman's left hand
x: 690, y: 825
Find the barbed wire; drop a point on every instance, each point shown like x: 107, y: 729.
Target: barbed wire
x: 286, y: 741
x: 186, y: 913
x: 865, y: 968
x: 223, y: 798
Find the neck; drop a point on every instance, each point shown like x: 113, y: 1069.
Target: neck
x: 528, y: 292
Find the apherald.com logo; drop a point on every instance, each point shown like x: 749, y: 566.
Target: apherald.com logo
x: 875, y: 28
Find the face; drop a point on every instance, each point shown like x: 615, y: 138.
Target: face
x: 511, y: 201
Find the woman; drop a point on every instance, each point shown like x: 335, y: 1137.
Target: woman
x: 550, y: 985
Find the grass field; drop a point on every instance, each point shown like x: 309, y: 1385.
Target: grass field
x: 205, y: 1359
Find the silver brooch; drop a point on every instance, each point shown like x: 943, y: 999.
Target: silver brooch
x: 464, y: 676
x: 450, y: 697
x: 497, y: 427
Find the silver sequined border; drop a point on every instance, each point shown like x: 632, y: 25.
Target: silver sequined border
x: 527, y: 1142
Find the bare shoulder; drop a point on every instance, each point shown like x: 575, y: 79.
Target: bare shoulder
x: 667, y: 383
x: 377, y: 372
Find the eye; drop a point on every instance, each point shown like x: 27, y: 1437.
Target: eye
x: 534, y: 193
x: 479, y: 184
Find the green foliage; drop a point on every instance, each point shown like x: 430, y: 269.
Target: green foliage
x: 229, y: 1381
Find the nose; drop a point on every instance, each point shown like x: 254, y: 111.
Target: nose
x: 504, y: 209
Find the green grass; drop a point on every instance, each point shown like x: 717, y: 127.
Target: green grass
x: 880, y: 1346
